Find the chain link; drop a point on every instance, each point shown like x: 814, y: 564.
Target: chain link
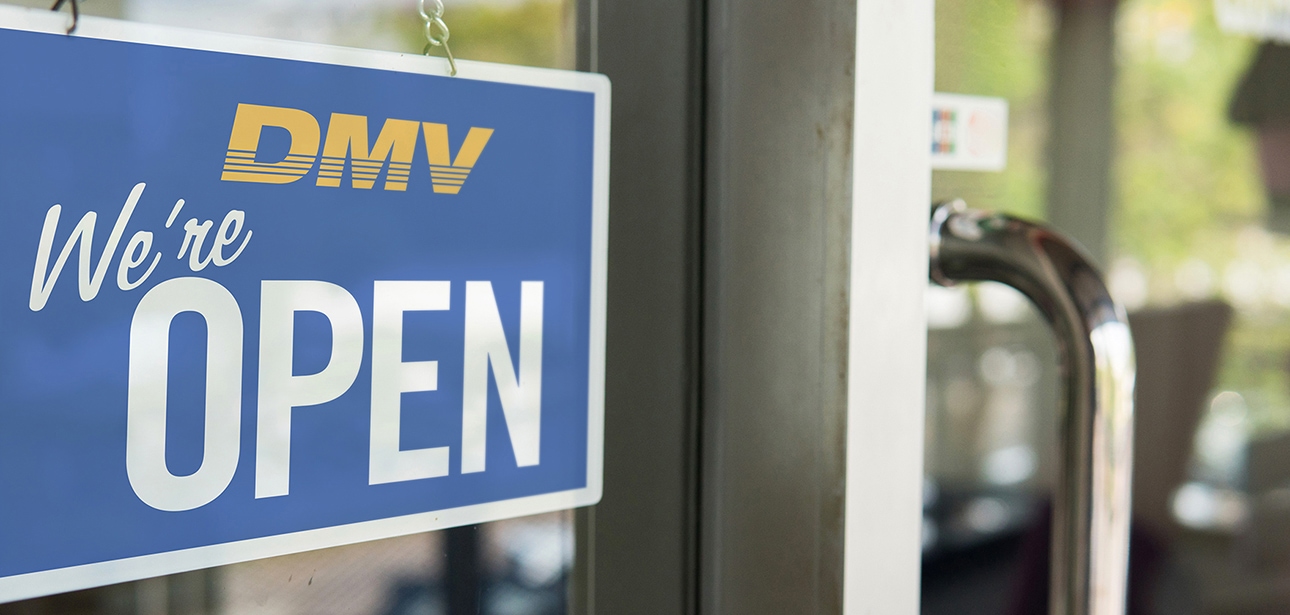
x: 437, y: 33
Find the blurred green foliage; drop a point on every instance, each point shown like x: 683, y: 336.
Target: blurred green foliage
x: 1187, y: 195
x: 1188, y: 180
x: 998, y: 48
x: 1190, y: 191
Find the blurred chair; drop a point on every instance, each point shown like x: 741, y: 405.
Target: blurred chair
x: 1178, y: 350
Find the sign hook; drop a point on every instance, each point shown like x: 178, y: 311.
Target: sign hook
x: 76, y: 12
x: 436, y: 31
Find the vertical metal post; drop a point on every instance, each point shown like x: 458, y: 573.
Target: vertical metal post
x: 464, y: 580
x: 777, y: 231
x: 1081, y: 121
x: 1091, y: 501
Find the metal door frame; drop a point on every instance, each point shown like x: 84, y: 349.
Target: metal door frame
x: 747, y: 351
x: 637, y: 549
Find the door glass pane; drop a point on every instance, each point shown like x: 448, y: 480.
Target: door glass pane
x: 1157, y: 138
x: 992, y: 376
x: 520, y: 566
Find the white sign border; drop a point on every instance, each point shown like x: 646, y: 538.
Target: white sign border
x: 44, y: 583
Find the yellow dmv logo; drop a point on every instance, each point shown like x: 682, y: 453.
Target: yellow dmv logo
x: 347, y: 143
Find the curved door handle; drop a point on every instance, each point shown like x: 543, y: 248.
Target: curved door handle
x: 1091, y: 501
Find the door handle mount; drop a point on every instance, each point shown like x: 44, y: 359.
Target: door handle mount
x: 1091, y: 500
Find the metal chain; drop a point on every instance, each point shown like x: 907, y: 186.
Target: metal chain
x: 76, y: 13
x: 434, y: 22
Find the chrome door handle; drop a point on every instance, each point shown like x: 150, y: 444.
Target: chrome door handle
x: 1091, y: 501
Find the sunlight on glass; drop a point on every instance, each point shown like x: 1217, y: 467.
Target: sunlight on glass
x: 1000, y: 303
x: 1127, y: 282
x: 947, y: 308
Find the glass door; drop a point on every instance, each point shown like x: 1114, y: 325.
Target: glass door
x: 1152, y: 131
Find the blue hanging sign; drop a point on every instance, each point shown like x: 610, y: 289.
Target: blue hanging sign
x: 264, y: 297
